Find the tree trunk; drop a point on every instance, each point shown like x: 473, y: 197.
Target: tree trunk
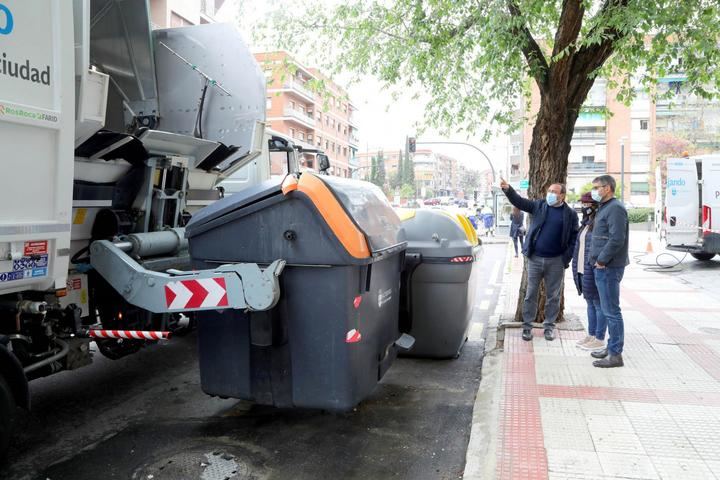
x: 548, y: 154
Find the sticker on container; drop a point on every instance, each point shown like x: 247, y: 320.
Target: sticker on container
x: 384, y: 297
x: 29, y: 263
x: 11, y: 276
x: 37, y: 247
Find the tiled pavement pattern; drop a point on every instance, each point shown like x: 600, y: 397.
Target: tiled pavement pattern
x: 656, y: 418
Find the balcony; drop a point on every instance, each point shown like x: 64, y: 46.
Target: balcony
x: 587, y: 168
x: 354, y: 141
x: 299, y: 116
x: 300, y: 89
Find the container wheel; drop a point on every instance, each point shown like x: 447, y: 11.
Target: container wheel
x: 7, y: 416
x: 702, y: 256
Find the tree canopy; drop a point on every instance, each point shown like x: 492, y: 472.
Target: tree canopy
x: 471, y: 60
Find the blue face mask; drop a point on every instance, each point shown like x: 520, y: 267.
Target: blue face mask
x: 595, y: 195
x: 551, y: 198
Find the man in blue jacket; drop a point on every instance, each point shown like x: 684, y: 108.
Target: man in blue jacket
x: 548, y: 246
x: 609, y: 252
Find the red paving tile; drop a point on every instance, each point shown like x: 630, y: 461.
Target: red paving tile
x: 522, y: 453
x: 629, y: 395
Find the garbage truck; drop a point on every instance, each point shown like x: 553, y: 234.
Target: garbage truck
x: 113, y: 137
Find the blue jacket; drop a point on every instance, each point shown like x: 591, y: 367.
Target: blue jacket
x: 539, y: 209
x: 585, y: 282
x: 610, y: 235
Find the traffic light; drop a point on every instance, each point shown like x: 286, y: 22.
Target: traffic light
x: 411, y: 144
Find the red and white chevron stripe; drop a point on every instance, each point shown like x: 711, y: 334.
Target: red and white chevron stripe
x: 188, y: 294
x: 353, y: 336
x: 129, y: 334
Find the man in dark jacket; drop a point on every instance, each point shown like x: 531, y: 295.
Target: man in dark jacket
x: 609, y: 252
x: 548, y: 246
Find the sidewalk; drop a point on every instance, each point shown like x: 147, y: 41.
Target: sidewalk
x: 544, y: 412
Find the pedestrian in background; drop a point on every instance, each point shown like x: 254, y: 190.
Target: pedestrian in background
x: 609, y: 254
x: 517, y: 228
x: 582, y: 268
x: 549, y: 249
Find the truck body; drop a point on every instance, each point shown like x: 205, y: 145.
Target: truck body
x: 113, y: 135
x: 691, y: 213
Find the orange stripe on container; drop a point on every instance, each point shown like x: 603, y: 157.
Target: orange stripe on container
x: 334, y: 215
x: 289, y: 184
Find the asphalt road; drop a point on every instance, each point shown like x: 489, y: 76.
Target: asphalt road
x: 145, y: 417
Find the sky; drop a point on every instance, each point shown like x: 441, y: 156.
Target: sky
x: 383, y: 122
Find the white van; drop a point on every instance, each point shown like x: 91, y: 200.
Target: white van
x: 692, y: 196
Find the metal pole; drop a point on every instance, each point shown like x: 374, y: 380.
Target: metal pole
x: 622, y: 171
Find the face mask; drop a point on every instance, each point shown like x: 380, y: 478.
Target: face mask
x: 551, y: 198
x: 595, y: 195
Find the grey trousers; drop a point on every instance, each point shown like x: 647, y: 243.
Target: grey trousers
x: 552, y: 271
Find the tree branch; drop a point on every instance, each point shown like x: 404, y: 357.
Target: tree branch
x: 569, y: 26
x: 530, y: 49
x: 592, y: 56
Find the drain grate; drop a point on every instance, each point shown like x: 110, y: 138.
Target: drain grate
x: 196, y: 464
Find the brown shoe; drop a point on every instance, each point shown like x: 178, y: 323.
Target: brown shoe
x: 611, y: 361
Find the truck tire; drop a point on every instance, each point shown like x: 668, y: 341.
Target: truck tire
x: 702, y: 256
x: 7, y: 416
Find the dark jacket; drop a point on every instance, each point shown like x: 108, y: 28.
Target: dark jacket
x: 516, y: 223
x: 539, y: 210
x: 585, y: 282
x: 610, y: 235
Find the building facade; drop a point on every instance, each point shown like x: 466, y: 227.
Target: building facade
x: 314, y: 121
x: 625, y: 143
x: 181, y: 13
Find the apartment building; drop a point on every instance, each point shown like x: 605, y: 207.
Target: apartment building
x: 181, y: 13
x: 624, y: 145
x: 313, y: 120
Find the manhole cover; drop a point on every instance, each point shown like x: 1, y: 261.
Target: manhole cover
x: 200, y: 465
x: 710, y: 330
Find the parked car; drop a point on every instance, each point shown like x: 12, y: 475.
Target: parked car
x: 431, y: 201
x: 462, y: 203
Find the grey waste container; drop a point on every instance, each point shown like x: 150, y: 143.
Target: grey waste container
x: 438, y: 283
x: 335, y: 330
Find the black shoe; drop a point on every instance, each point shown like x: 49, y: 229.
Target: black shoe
x: 527, y: 335
x: 549, y: 335
x: 600, y: 353
x: 611, y: 361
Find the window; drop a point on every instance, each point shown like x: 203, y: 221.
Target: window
x: 268, y: 103
x: 301, y: 136
x: 310, y: 137
x: 588, y: 159
x: 515, y: 149
x: 639, y: 188
x: 643, y: 124
x: 327, y: 145
x: 292, y: 132
x: 327, y: 121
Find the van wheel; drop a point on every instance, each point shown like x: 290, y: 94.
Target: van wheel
x: 702, y: 256
x: 7, y: 416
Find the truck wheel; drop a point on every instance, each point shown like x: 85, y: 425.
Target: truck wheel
x: 702, y: 256
x: 7, y: 416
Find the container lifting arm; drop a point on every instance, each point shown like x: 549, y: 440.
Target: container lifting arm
x: 237, y: 286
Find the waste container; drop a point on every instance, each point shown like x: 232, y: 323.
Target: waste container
x: 438, y: 282
x: 334, y: 331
